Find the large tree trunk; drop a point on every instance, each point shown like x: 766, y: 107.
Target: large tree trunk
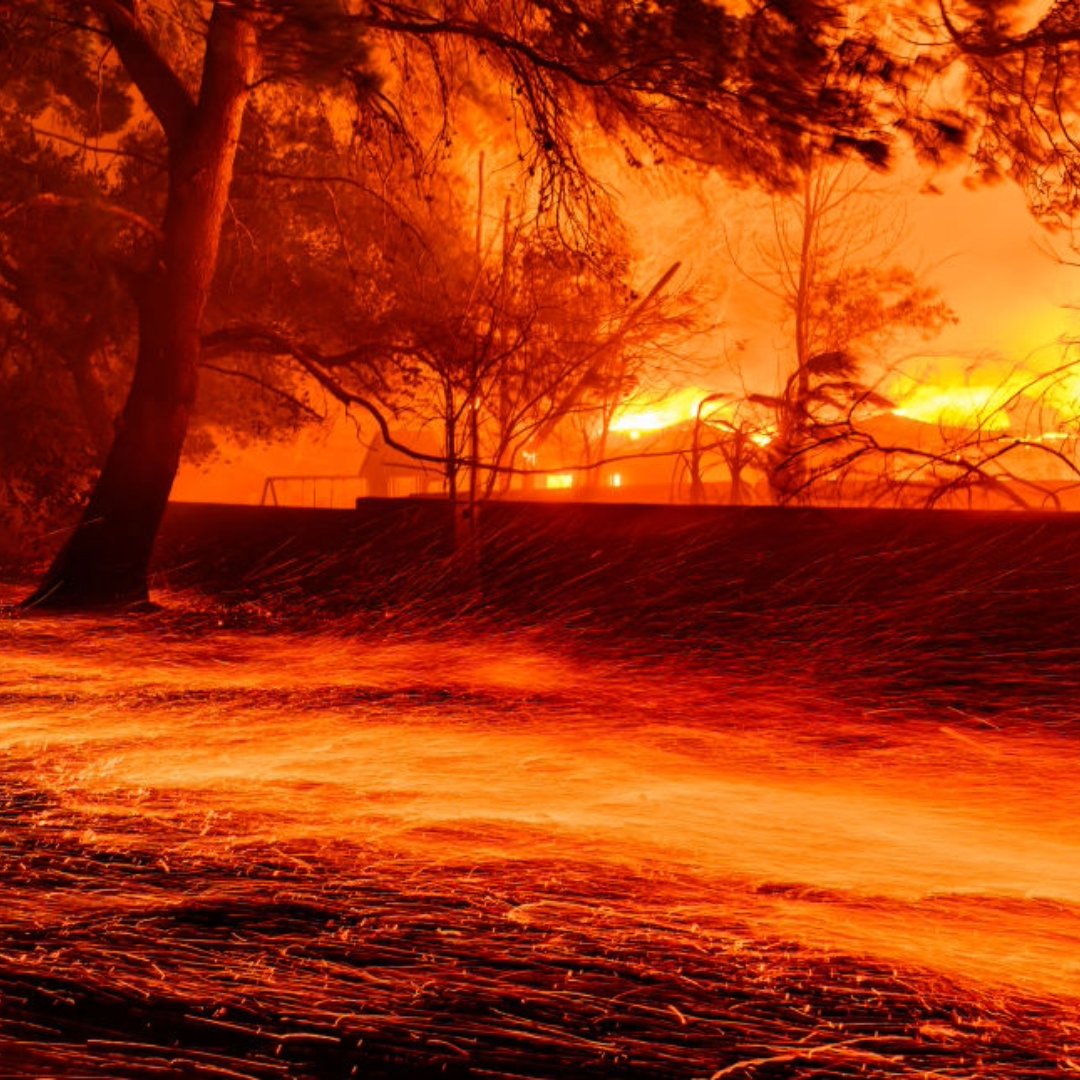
x: 93, y: 403
x: 106, y: 559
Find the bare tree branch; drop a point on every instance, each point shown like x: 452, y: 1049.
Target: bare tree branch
x: 289, y: 399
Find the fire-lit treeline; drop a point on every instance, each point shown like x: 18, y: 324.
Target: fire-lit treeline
x: 466, y: 226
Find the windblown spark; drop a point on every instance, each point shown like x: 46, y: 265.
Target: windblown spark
x: 299, y: 852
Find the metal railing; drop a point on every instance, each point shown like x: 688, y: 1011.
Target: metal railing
x: 330, y: 485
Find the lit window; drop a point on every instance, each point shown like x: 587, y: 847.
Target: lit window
x: 616, y: 480
x: 560, y: 482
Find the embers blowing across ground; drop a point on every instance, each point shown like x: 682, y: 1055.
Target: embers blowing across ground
x: 236, y: 843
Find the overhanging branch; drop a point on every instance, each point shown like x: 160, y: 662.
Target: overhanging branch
x: 289, y: 399
x: 268, y: 340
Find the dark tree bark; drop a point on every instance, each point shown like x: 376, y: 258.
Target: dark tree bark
x: 106, y: 559
x: 93, y: 403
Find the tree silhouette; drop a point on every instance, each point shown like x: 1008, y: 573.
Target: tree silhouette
x: 684, y: 78
x: 1022, y: 95
x: 106, y: 558
x: 826, y: 262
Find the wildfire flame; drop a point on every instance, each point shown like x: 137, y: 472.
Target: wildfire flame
x: 950, y: 393
x: 673, y: 409
x: 941, y: 392
x: 955, y: 407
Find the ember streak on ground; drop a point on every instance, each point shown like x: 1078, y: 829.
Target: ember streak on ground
x: 407, y: 850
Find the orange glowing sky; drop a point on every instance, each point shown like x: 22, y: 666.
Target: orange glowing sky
x: 980, y: 246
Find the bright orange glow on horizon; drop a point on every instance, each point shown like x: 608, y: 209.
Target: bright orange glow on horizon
x: 954, y: 393
x: 960, y: 407
x: 671, y: 410
x: 979, y: 247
